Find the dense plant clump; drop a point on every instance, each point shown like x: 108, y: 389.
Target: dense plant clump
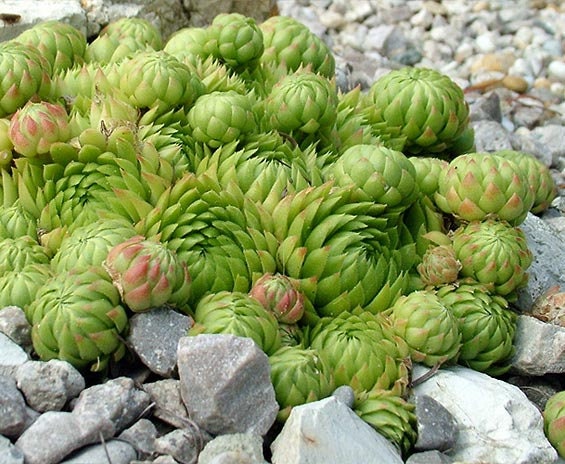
x: 222, y: 173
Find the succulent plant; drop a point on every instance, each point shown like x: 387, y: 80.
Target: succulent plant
x: 76, y: 316
x: 291, y: 43
x: 554, y: 421
x: 19, y: 287
x: 477, y: 186
x: 218, y: 118
x: 25, y: 74
x: 279, y: 294
x: 61, y: 44
x: 429, y: 328
x: 538, y: 175
x: 6, y: 145
x: 419, y: 105
x: 238, y: 314
x: 494, y: 253
x: 428, y: 170
x: 139, y: 29
x: 236, y: 40
x: 15, y: 222
x: 362, y: 350
x: 389, y: 414
x: 147, y: 274
x: 439, y: 266
x: 18, y: 252
x: 486, y: 323
x: 299, y: 376
x: 35, y: 127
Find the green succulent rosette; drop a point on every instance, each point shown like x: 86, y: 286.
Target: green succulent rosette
x: 219, y: 118
x: 238, y: 314
x: 35, y: 127
x: 428, y: 327
x: 486, y: 323
x: 428, y: 170
x: 19, y: 287
x: 15, y: 222
x: 279, y: 295
x: 16, y: 253
x: 291, y: 334
x: 61, y: 44
x: 89, y: 245
x: 301, y: 103
x: 362, y: 350
x: 476, y: 186
x: 25, y: 74
x: 6, y: 145
x: 554, y: 421
x: 108, y: 49
x: 139, y: 29
x: 76, y: 316
x: 299, y: 376
x: 389, y: 414
x: 538, y: 175
x: 189, y: 44
x: 378, y: 174
x: 291, y: 43
x: 422, y: 106
x: 236, y: 40
x: 493, y: 253
x: 147, y: 274
x: 155, y: 78
x: 439, y: 266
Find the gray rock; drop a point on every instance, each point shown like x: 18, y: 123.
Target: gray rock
x: 67, y: 432
x: 345, y: 394
x: 490, y: 136
x: 112, y: 451
x: 540, y: 347
x: 141, y: 436
x: 552, y: 136
x: 486, y: 108
x: 11, y: 356
x: 226, y: 384
x: 166, y: 459
x: 537, y: 389
x: 182, y: 446
x: 154, y: 337
x: 429, y: 457
x: 117, y: 400
x: 14, y: 324
x: 202, y: 12
x: 32, y: 12
x: 12, y: 408
x: 548, y: 267
x: 237, y: 448
x: 9, y: 454
x: 523, y: 141
x: 167, y: 401
x: 497, y: 423
x: 437, y: 429
x: 48, y: 386
x: 330, y: 432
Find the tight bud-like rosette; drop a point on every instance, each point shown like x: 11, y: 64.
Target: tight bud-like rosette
x: 439, y: 266
x: 77, y: 317
x: 422, y: 105
x: 16, y: 253
x: 147, y: 274
x: 362, y: 350
x: 235, y: 39
x: 429, y: 328
x: 219, y: 118
x: 138, y: 29
x: 302, y: 102
x: 238, y: 314
x: 37, y: 126
x: 289, y: 42
x: 476, y: 186
x: 493, y: 253
x: 554, y: 421
x: 15, y: 221
x: 299, y: 376
x: 486, y: 323
x: 428, y: 170
x: 18, y: 288
x: 278, y: 294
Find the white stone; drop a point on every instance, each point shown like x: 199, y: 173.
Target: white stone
x: 11, y: 356
x: 329, y: 432
x: 497, y: 423
x: 32, y: 12
x: 540, y: 347
x: 557, y: 69
x: 485, y: 43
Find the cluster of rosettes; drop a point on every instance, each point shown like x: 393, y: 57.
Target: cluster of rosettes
x: 220, y: 172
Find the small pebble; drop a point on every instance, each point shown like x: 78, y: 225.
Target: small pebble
x: 515, y: 83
